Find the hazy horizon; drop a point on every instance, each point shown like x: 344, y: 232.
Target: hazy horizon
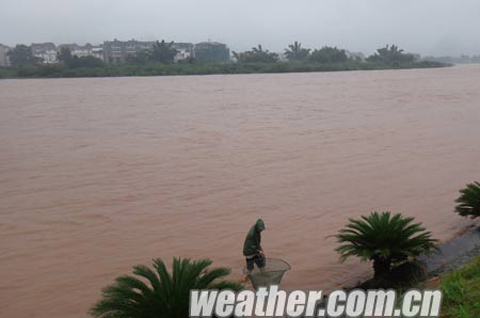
x: 429, y: 27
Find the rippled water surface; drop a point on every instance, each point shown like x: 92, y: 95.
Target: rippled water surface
x: 98, y: 175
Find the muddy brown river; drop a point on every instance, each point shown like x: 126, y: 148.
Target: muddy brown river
x: 98, y: 175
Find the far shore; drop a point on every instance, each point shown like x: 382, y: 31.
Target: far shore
x: 60, y: 71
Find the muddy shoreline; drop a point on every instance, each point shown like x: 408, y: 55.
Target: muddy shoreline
x: 455, y: 253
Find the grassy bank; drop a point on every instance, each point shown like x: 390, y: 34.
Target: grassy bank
x: 461, y: 291
x: 58, y: 71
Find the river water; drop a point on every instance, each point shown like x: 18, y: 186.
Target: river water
x: 98, y: 175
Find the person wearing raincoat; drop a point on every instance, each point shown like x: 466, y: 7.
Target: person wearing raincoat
x: 252, y: 250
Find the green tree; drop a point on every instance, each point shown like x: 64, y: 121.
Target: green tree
x: 86, y: 62
x: 384, y: 239
x: 295, y: 52
x: 163, y: 52
x: 256, y: 55
x: 329, y: 55
x: 391, y: 55
x: 140, y: 58
x: 469, y: 201
x: 158, y: 293
x: 73, y: 61
x: 65, y: 55
x: 22, y: 55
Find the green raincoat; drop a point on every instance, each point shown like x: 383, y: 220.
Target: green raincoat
x: 252, y: 241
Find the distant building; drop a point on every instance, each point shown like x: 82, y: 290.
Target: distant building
x: 117, y: 51
x: 185, y: 51
x: 85, y: 50
x: 46, y: 52
x: 97, y: 51
x: 359, y: 56
x: 4, y: 60
x: 416, y: 57
x: 211, y: 52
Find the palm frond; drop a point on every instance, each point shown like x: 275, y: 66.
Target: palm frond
x: 158, y: 293
x: 384, y: 236
x: 469, y: 201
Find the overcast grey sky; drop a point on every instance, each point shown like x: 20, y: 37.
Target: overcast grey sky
x: 420, y: 26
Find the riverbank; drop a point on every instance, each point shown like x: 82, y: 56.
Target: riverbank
x: 455, y: 253
x: 461, y: 291
x: 459, y: 279
x: 61, y: 71
x: 455, y: 270
x: 452, y: 255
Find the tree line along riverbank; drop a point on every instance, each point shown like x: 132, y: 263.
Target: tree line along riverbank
x: 160, y: 61
x: 60, y: 71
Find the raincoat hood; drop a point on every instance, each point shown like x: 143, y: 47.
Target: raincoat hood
x: 260, y: 225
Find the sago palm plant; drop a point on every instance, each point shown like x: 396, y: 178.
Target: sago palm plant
x: 469, y: 201
x: 384, y: 239
x: 158, y: 293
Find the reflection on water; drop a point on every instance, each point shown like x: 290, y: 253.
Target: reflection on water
x: 98, y: 175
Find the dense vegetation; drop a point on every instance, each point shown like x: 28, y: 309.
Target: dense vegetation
x: 22, y: 56
x: 256, y: 55
x: 160, y: 61
x: 157, y: 69
x: 70, y: 61
x: 391, y: 55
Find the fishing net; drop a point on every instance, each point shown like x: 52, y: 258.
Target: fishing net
x: 271, y: 274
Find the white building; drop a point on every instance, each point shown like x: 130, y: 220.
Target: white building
x: 184, y: 51
x: 97, y: 51
x: 46, y: 52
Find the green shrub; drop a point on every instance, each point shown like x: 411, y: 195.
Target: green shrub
x: 158, y: 293
x: 469, y: 201
x: 384, y: 239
